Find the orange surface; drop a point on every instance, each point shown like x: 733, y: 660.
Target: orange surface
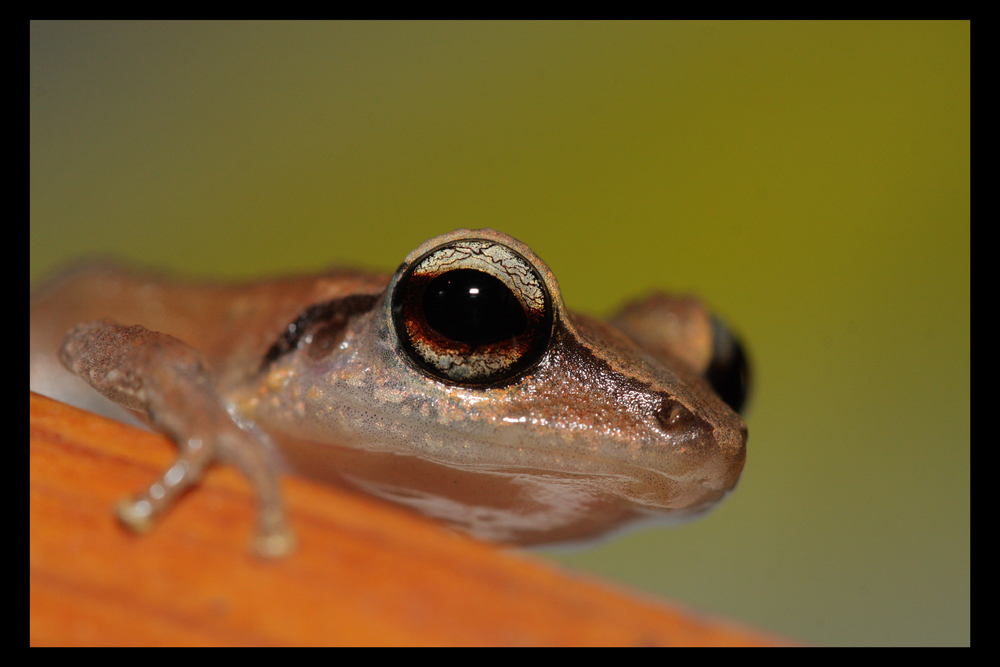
x: 365, y: 573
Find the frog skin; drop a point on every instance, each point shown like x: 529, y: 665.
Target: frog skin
x: 459, y: 386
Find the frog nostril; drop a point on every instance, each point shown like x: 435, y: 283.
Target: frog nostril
x: 671, y: 415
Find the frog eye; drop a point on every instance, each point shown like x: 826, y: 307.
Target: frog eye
x: 473, y: 312
x: 729, y: 370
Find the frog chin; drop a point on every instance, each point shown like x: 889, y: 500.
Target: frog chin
x: 532, y: 508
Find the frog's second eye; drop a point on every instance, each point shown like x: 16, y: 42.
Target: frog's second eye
x: 729, y: 370
x: 472, y: 312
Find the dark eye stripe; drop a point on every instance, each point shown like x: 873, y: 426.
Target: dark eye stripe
x: 330, y: 317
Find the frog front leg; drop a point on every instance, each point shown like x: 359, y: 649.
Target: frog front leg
x: 170, y: 381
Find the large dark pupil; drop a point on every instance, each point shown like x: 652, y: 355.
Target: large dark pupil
x: 473, y: 307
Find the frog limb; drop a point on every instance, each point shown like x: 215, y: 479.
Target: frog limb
x: 172, y: 384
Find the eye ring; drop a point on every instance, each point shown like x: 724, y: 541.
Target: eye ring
x: 473, y: 312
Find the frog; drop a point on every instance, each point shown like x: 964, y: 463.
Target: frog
x: 458, y: 386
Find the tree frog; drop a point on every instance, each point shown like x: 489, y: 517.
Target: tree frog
x: 459, y: 386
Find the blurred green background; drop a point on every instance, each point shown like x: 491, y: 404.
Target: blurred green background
x: 809, y: 180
